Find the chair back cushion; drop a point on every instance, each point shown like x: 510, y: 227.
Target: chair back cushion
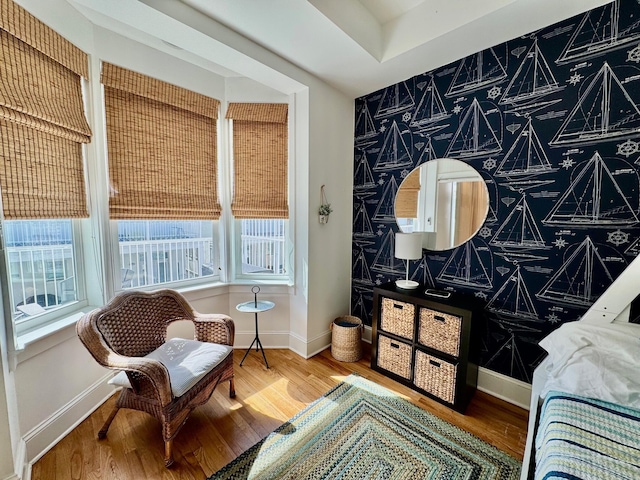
x: 137, y: 324
x: 186, y: 360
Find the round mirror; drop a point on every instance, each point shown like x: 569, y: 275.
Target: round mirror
x: 446, y: 199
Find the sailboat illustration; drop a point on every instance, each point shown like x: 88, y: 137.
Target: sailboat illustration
x: 385, y: 210
x: 359, y: 308
x: 594, y: 120
x: 423, y: 273
x: 428, y: 153
x: 601, y: 30
x: 532, y: 80
x: 509, y: 352
x: 394, y: 153
x: 519, y: 230
x: 430, y: 109
x: 365, y: 128
x: 474, y: 136
x: 525, y: 158
x: 363, y: 177
x: 361, y: 223
x: 513, y: 299
x: 492, y: 217
x: 395, y: 98
x: 492, y: 214
x: 634, y: 248
x: 581, y: 279
x: 386, y: 260
x: 594, y: 199
x: 466, y: 267
x: 476, y: 72
x: 360, y: 272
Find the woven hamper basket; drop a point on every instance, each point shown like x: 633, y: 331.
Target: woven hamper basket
x: 346, y: 338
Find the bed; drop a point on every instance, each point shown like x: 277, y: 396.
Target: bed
x: 584, y: 421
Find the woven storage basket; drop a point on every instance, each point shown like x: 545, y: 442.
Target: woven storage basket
x: 440, y: 331
x: 346, y: 338
x: 397, y: 317
x: 435, y: 376
x: 394, y: 356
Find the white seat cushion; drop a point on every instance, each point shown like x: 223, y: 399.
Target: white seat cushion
x: 186, y: 360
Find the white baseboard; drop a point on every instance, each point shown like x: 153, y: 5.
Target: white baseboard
x: 21, y: 462
x: 366, y: 335
x: 503, y: 387
x: 308, y: 348
x: 40, y: 439
x: 243, y: 340
x: 318, y: 344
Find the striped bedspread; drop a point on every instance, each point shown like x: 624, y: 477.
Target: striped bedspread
x: 582, y: 438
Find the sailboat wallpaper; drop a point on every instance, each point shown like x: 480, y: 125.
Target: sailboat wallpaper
x: 551, y: 121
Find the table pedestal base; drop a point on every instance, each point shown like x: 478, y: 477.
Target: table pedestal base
x: 258, y: 344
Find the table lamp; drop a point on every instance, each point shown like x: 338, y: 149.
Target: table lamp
x: 408, y: 247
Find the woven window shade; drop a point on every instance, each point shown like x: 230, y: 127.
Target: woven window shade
x: 407, y: 199
x: 42, y: 119
x: 162, y: 148
x: 38, y: 178
x: 24, y: 26
x: 260, y: 146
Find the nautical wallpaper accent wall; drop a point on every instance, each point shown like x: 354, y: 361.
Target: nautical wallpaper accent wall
x: 551, y: 120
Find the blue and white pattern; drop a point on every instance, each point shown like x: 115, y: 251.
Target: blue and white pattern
x: 551, y: 120
x: 582, y: 438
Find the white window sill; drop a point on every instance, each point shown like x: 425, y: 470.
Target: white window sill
x: 28, y: 338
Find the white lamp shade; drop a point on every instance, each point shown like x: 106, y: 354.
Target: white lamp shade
x: 408, y: 246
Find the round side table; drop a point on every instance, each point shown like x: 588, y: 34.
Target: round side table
x: 255, y: 306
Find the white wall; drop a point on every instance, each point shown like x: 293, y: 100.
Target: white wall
x: 57, y: 383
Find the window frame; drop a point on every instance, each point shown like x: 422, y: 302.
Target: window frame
x: 28, y: 324
x: 226, y: 168
x: 236, y: 256
x: 177, y: 284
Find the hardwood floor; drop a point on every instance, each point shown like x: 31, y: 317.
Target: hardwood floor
x: 222, y: 429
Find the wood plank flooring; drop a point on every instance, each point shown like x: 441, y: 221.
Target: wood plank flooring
x: 222, y: 429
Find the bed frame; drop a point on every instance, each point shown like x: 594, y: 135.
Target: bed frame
x: 613, y: 306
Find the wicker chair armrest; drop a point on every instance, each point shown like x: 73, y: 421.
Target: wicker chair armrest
x: 154, y: 370
x: 214, y: 328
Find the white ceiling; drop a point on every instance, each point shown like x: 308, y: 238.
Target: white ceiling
x: 357, y: 46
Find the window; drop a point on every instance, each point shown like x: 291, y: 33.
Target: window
x: 162, y: 144
x: 260, y: 187
x: 155, y: 252
x: 41, y: 266
x: 42, y: 129
x: 262, y: 246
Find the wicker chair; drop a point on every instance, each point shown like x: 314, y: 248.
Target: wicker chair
x: 132, y: 325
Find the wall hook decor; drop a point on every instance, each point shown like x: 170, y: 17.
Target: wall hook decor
x: 325, y: 207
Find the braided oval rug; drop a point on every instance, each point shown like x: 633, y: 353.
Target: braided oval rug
x: 360, y: 430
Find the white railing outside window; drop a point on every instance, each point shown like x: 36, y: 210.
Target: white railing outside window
x: 263, y: 246
x: 154, y: 252
x: 42, y: 269
x: 41, y: 265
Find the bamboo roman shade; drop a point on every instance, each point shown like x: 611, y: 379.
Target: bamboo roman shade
x: 42, y: 121
x: 407, y: 199
x: 162, y: 148
x: 260, y: 154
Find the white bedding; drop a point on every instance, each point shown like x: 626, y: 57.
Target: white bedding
x: 595, y: 361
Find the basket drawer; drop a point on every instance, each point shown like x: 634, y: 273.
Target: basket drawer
x: 440, y: 331
x: 394, y: 356
x: 397, y: 317
x: 435, y: 376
